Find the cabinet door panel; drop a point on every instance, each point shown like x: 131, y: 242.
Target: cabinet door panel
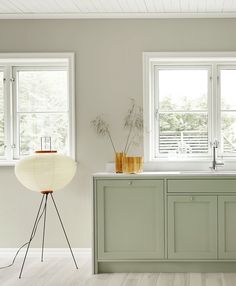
x: 130, y: 219
x: 192, y: 227
x: 227, y: 227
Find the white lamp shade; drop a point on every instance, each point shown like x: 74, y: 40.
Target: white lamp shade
x: 45, y: 171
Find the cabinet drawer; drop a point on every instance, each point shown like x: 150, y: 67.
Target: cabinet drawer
x: 201, y: 185
x: 130, y: 183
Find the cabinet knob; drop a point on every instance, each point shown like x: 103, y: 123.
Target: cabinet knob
x: 191, y: 199
x: 130, y: 183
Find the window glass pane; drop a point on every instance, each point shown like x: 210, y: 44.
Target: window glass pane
x: 228, y: 89
x: 42, y: 90
x: 182, y: 89
x: 1, y: 92
x: 34, y: 126
x: 228, y: 131
x: 183, y: 133
x: 2, y: 138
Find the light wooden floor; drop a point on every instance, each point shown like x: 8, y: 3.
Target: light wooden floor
x: 61, y: 272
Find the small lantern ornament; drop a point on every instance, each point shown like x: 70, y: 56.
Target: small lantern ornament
x: 46, y: 171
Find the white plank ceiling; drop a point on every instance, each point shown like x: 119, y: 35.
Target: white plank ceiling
x: 116, y: 8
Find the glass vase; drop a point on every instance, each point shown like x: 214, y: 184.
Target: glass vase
x: 119, y: 162
x: 133, y: 165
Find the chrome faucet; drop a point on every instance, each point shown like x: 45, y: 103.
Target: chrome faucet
x: 215, y: 145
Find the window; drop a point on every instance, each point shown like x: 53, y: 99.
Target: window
x: 36, y: 100
x: 189, y: 101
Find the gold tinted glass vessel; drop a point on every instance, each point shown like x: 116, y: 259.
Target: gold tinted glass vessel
x: 133, y: 165
x: 119, y: 162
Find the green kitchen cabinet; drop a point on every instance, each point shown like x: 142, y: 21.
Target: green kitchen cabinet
x: 227, y: 227
x: 192, y: 227
x: 130, y: 219
x: 163, y: 222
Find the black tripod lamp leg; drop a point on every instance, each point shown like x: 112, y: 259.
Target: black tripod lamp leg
x: 44, y: 225
x: 31, y: 236
x: 64, y: 231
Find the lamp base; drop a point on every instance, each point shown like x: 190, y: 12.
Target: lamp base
x: 38, y: 217
x: 46, y: 192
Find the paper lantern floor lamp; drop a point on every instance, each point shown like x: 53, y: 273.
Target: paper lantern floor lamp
x: 45, y: 172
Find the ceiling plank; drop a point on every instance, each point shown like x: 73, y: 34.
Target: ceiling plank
x: 7, y: 6
x: 184, y: 6
x: 111, y: 6
x: 154, y: 6
x: 229, y: 6
x: 31, y: 6
x: 86, y: 6
x: 118, y: 8
x: 130, y: 6
x: 170, y: 6
x: 68, y: 6
x: 214, y: 6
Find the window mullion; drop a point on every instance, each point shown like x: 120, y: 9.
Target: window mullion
x: 217, y: 108
x: 156, y: 114
x: 155, y: 143
x: 210, y: 102
x: 8, y: 113
x: 15, y: 145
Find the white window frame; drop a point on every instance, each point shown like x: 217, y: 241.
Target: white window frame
x: 12, y: 62
x: 214, y: 61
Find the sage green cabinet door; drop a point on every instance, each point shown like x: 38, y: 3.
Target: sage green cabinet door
x: 192, y: 227
x: 130, y: 219
x: 227, y: 227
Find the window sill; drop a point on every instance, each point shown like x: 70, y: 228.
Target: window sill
x: 196, y: 164
x: 196, y: 159
x: 12, y: 163
x: 193, y: 159
x: 8, y: 163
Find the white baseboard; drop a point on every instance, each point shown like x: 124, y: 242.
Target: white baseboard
x: 51, y: 252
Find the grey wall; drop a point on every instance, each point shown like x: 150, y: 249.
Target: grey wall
x: 108, y: 72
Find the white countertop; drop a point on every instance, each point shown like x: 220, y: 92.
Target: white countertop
x: 169, y: 174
